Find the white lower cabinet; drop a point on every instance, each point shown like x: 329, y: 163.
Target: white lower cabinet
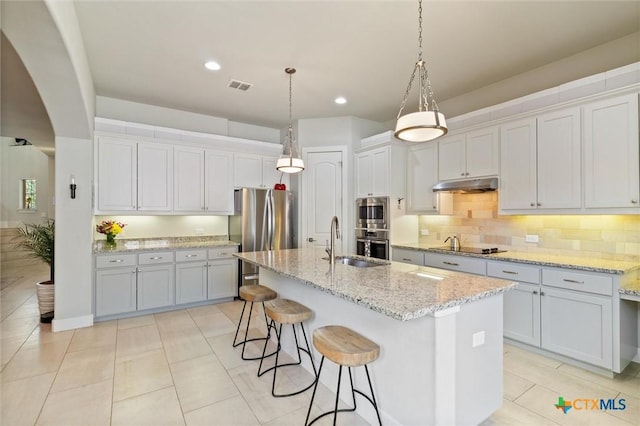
x: 156, y: 286
x: 566, y: 312
x: 191, y: 276
x: 577, y: 325
x: 126, y: 283
x: 115, y: 291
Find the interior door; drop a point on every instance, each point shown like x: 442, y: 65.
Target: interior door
x: 322, y: 197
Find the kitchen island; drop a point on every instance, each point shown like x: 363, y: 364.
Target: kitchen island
x: 440, y: 332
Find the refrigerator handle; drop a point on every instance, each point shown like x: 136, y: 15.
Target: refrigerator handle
x: 271, y: 218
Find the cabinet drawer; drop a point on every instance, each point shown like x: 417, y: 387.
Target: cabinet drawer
x: 191, y: 255
x: 408, y: 256
x: 514, y: 272
x: 154, y: 258
x: 224, y: 252
x: 115, y: 260
x: 456, y: 263
x: 597, y: 284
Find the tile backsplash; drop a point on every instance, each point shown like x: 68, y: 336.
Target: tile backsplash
x: 476, y: 222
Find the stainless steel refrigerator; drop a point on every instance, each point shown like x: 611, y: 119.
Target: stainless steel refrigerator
x: 263, y: 220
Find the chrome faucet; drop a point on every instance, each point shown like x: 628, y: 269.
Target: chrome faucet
x: 335, y: 230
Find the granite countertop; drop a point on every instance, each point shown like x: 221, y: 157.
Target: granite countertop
x: 607, y: 266
x: 158, y: 244
x: 398, y: 290
x: 631, y: 289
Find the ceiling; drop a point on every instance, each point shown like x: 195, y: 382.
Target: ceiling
x: 153, y: 52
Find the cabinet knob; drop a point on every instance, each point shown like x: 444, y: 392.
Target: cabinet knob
x: 532, y: 204
x: 542, y: 293
x: 634, y: 201
x: 538, y: 204
x: 535, y: 291
x: 461, y: 174
x: 466, y: 174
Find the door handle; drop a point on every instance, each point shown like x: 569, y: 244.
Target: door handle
x: 310, y: 239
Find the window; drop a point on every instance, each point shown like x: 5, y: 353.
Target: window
x: 28, y: 194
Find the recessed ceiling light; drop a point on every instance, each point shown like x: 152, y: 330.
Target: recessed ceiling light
x: 340, y: 100
x: 212, y: 65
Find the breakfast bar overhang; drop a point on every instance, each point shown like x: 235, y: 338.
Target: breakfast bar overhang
x: 440, y: 332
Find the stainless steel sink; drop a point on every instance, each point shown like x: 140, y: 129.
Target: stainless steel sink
x: 358, y: 263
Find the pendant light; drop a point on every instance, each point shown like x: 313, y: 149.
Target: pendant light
x: 290, y: 160
x: 423, y: 125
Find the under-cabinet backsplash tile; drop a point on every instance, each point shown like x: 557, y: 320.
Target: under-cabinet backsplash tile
x: 476, y: 222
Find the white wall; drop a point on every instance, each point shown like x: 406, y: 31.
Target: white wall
x: 167, y: 226
x: 74, y: 236
x: 118, y: 109
x: 23, y: 162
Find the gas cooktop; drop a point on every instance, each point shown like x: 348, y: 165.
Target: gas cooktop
x: 474, y: 250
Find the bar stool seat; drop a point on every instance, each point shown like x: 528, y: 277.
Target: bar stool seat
x: 285, y: 311
x: 346, y: 348
x: 253, y: 293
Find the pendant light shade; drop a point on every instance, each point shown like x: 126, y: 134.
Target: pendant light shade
x: 423, y: 125
x: 290, y: 161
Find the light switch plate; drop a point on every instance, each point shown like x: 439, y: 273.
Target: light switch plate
x: 478, y: 339
x: 424, y: 232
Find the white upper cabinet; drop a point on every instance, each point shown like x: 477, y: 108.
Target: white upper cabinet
x: 219, y: 182
x: 203, y: 181
x: 469, y: 155
x: 155, y: 175
x: 117, y: 174
x: 257, y: 171
x: 540, y: 165
x: 559, y: 163
x: 422, y: 175
x: 372, y: 172
x: 611, y: 155
x: 189, y: 180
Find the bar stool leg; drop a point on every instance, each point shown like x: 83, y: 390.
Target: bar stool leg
x: 373, y: 395
x: 276, y: 365
x: 244, y: 341
x: 313, y: 395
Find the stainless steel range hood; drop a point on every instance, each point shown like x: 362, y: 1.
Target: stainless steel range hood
x: 467, y: 186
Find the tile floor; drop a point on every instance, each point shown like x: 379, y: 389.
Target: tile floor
x: 179, y: 368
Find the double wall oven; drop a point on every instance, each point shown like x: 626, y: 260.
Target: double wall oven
x: 372, y: 227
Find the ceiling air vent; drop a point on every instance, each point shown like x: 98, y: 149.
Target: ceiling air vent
x: 240, y: 85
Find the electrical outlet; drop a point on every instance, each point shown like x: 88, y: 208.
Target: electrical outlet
x: 199, y: 231
x: 424, y: 232
x: 531, y: 238
x: 478, y: 339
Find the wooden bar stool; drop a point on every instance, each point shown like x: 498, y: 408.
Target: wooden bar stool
x: 285, y: 311
x: 253, y: 293
x: 344, y: 347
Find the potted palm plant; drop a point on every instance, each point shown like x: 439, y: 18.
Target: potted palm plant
x: 39, y: 240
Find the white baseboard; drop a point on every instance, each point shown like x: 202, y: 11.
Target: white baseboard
x: 72, y: 323
x: 637, y: 357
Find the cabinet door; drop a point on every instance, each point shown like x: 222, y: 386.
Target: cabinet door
x: 363, y: 175
x: 482, y: 153
x: 156, y: 286
x: 189, y: 180
x: 222, y: 279
x: 115, y: 291
x: 422, y: 174
x: 191, y: 282
x: 521, y: 314
x: 117, y: 170
x: 219, y: 182
x: 518, y: 180
x: 451, y: 157
x: 380, y: 171
x: 155, y: 177
x: 559, y: 164
x: 577, y: 325
x: 247, y: 171
x: 611, y: 155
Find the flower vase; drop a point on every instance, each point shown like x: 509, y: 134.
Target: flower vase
x: 111, y: 240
